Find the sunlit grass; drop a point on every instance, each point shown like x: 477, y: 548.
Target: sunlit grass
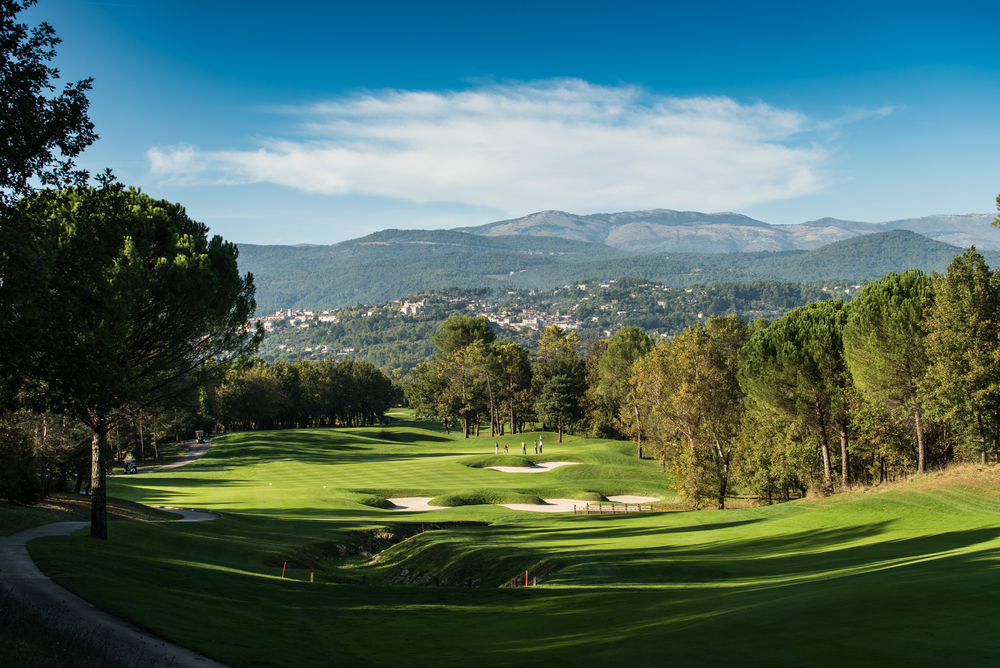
x: 870, y: 577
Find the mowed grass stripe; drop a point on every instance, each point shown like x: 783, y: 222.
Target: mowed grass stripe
x: 900, y: 577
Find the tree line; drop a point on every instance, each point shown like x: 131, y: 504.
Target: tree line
x: 303, y: 394
x: 903, y: 378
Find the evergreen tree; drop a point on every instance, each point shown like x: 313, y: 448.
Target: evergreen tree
x: 884, y: 345
x: 796, y: 368
x: 963, y: 345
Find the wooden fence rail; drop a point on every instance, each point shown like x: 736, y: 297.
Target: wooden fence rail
x: 612, y: 508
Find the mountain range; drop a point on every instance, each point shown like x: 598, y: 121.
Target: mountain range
x: 663, y: 230
x: 397, y: 263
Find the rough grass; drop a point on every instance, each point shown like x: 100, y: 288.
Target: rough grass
x: 26, y: 641
x: 902, y: 576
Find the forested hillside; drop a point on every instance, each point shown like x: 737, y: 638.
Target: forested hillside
x: 392, y: 264
x: 388, y: 339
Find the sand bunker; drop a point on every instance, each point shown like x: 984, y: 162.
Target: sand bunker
x: 626, y: 498
x: 534, y: 468
x: 550, y: 506
x: 413, y: 503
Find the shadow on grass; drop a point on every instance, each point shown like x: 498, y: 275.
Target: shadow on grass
x: 588, y: 626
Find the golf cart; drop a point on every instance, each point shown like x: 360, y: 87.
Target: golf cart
x: 130, y: 466
x: 199, y: 436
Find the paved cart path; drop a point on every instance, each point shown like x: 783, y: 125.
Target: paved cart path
x: 196, y: 451
x: 20, y: 578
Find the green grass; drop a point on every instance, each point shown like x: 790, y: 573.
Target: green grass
x: 901, y: 577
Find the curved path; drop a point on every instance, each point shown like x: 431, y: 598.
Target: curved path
x: 196, y: 451
x: 20, y: 578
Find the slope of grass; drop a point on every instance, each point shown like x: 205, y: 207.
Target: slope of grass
x: 902, y: 577
x: 71, y: 508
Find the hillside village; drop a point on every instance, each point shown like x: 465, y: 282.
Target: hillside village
x: 397, y: 334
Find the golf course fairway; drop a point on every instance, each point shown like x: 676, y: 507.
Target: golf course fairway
x: 906, y: 576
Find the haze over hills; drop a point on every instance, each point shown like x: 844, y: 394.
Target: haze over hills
x: 397, y: 263
x: 664, y: 230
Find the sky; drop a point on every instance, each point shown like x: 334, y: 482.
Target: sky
x: 317, y: 122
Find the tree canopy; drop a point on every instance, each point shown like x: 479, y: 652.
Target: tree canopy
x: 884, y: 344
x: 796, y: 367
x: 126, y: 302
x: 40, y: 133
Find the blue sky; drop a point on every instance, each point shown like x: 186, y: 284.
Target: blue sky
x: 306, y: 122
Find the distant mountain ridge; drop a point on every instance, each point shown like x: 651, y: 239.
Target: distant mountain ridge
x: 665, y: 230
x: 396, y: 263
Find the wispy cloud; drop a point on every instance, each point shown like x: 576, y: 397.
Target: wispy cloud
x: 563, y: 144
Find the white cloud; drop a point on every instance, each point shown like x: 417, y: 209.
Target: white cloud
x: 560, y: 144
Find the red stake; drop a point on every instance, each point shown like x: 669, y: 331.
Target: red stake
x: 421, y: 528
x: 526, y: 578
x: 283, y: 569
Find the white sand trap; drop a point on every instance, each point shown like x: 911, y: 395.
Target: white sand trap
x: 550, y: 506
x: 413, y: 503
x: 626, y: 498
x: 534, y: 468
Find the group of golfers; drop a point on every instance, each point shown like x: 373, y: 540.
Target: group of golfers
x: 524, y: 447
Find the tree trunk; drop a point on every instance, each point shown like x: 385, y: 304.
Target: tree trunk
x: 493, y: 411
x: 98, y: 475
x: 513, y: 428
x: 465, y: 427
x: 921, y: 450
x: 982, y: 436
x: 825, y: 449
x: 81, y: 470
x: 844, y: 457
x: 44, y: 491
x: 142, y: 445
x: 638, y: 430
x: 723, y: 485
x: 724, y: 482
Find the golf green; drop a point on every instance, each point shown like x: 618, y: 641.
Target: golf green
x: 903, y: 576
